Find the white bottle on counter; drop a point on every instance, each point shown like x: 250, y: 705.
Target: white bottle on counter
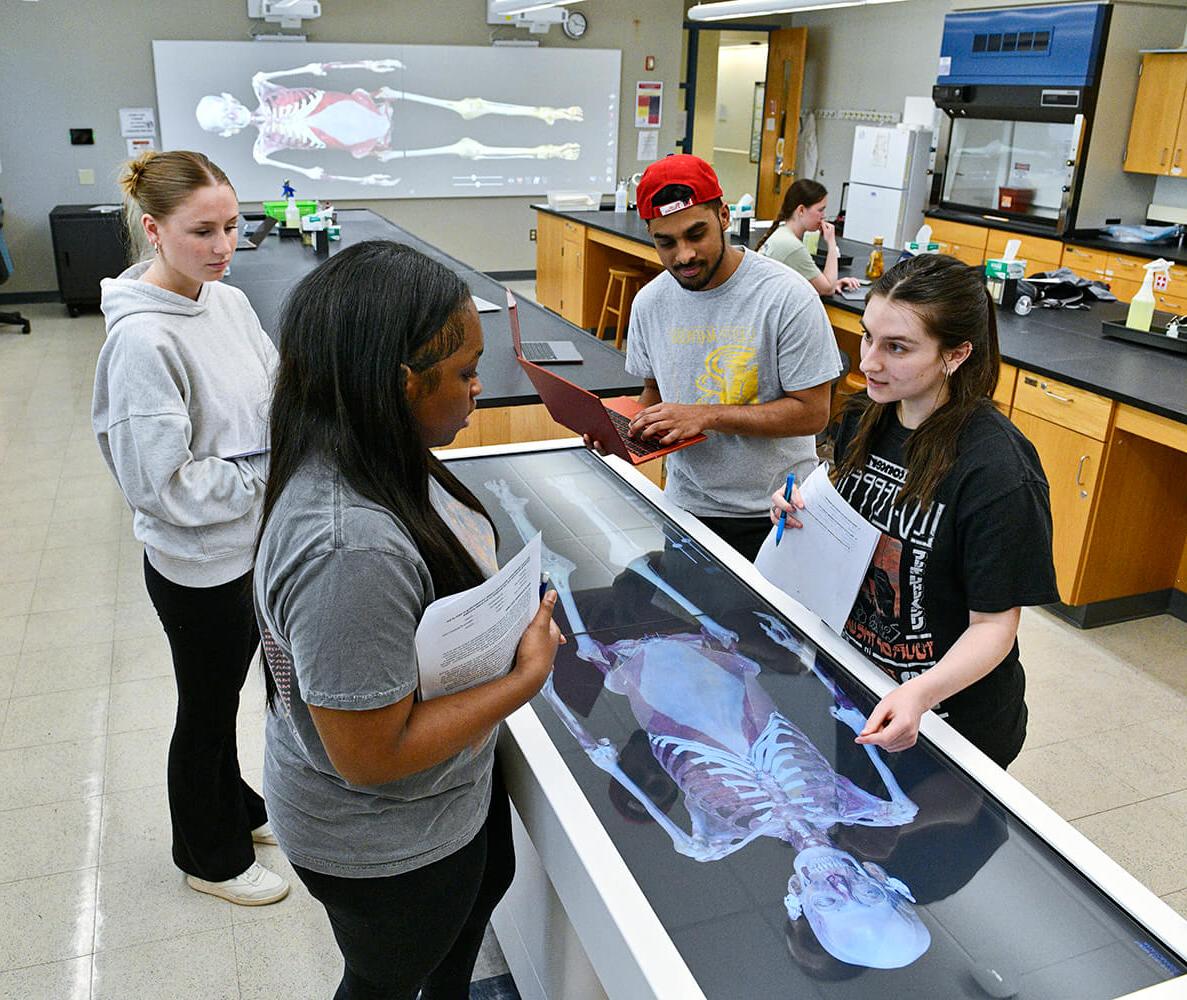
x: 620, y: 197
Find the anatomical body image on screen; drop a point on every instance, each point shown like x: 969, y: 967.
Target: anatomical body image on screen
x: 392, y: 121
x: 715, y: 743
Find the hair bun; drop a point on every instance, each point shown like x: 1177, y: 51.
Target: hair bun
x: 135, y: 171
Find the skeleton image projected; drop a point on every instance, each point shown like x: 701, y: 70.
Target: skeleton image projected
x: 394, y: 120
x: 745, y: 770
x: 304, y: 118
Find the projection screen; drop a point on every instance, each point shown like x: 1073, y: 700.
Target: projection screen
x: 393, y: 121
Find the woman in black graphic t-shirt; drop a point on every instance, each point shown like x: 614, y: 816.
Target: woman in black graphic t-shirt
x: 962, y: 503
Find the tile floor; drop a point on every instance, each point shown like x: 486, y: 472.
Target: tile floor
x: 90, y: 905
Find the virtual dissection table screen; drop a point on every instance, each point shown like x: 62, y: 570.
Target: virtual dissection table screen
x: 715, y: 743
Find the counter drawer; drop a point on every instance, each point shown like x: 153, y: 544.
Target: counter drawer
x: 1034, y: 249
x: 1066, y: 405
x: 1123, y: 288
x: 1129, y: 268
x: 1086, y: 263
x: 974, y: 256
x: 1167, y: 303
x: 573, y: 230
x: 958, y: 233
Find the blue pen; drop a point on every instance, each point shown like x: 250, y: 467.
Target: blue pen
x: 783, y: 516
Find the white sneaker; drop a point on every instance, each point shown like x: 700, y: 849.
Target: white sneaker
x: 263, y: 834
x: 255, y: 887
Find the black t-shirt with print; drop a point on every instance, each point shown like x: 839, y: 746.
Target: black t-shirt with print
x: 984, y: 544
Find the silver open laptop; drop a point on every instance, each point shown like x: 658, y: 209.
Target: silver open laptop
x: 542, y: 352
x: 252, y: 240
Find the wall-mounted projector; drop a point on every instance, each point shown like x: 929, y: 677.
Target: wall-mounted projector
x: 286, y: 13
x: 535, y: 15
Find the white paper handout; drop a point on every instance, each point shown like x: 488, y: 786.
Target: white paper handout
x: 470, y: 638
x: 823, y: 564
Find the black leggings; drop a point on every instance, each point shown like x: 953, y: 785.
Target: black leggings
x: 213, y: 635
x: 421, y: 930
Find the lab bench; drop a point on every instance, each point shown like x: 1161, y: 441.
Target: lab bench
x: 1108, y: 418
x: 508, y: 409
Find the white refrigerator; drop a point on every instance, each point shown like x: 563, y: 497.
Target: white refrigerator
x: 889, y: 183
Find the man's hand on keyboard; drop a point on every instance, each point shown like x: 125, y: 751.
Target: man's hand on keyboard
x: 667, y: 423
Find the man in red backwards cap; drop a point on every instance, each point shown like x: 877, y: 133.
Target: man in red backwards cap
x: 730, y: 344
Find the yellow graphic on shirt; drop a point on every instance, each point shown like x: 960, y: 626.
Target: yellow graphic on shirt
x: 730, y: 376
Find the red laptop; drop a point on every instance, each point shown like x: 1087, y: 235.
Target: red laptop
x: 604, y: 420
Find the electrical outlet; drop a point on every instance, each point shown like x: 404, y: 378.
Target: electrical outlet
x: 86, y: 176
x: 532, y: 235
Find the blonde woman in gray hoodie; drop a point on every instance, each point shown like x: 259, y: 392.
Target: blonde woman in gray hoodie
x: 181, y: 414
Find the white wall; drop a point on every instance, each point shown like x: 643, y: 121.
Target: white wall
x: 69, y: 64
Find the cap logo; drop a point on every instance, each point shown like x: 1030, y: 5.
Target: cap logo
x: 675, y: 206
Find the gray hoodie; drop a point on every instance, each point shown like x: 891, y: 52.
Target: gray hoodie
x: 181, y: 390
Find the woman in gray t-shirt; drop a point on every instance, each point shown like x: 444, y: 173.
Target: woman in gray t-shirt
x: 388, y: 807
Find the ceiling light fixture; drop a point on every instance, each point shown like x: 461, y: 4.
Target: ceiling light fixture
x: 524, y: 6
x: 729, y: 9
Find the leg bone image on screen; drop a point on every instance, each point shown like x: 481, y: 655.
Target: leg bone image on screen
x: 360, y: 122
x: 743, y: 768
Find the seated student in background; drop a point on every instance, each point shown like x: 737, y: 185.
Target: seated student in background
x: 802, y: 212
x: 390, y: 809
x: 728, y: 343
x: 963, y: 506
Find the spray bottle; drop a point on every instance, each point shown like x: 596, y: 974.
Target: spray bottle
x: 1141, y: 308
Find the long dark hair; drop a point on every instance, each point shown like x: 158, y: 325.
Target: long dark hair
x: 346, y: 333
x: 951, y: 301
x: 802, y: 192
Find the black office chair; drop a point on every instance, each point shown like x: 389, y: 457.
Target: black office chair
x: 9, y: 318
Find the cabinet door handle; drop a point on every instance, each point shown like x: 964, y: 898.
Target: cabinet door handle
x: 1178, y: 155
x: 1162, y: 158
x: 1062, y: 399
x: 1080, y: 471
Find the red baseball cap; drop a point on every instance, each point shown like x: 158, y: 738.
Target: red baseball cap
x: 682, y: 168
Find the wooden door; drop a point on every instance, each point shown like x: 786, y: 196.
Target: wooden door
x: 549, y: 244
x: 572, y: 278
x: 1157, y: 113
x: 1072, y: 463
x: 786, y: 52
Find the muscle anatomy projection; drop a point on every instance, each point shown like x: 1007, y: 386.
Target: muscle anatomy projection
x: 743, y: 768
x: 360, y: 122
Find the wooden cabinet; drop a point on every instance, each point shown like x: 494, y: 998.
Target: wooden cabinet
x: 560, y: 265
x: 1003, y: 394
x: 1068, y: 427
x: 549, y: 243
x: 964, y: 242
x: 1158, y: 129
x: 572, y: 273
x: 1040, y: 254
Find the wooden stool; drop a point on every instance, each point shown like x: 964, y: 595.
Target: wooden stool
x: 629, y: 281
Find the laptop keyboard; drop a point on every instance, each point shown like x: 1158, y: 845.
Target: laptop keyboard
x: 634, y: 446
x: 538, y: 350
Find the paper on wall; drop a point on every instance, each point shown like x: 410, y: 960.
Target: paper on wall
x: 823, y: 564
x: 137, y: 122
x: 470, y: 638
x: 648, y: 146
